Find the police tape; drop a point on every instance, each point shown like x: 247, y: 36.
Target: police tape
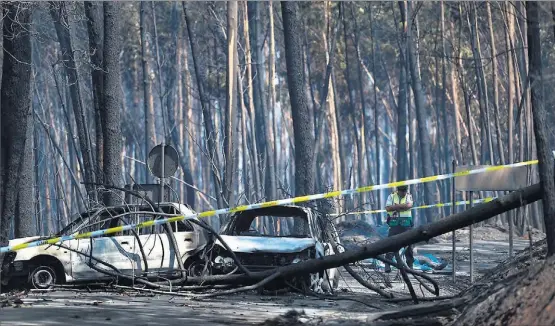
x: 458, y: 203
x: 280, y: 202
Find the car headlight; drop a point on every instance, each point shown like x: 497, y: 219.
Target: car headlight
x: 9, y: 257
x: 305, y: 255
x: 224, y: 264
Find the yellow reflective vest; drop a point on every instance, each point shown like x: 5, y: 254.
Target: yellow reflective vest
x: 403, y: 218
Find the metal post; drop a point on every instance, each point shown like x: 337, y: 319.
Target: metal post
x: 163, y: 172
x: 453, y: 210
x: 511, y: 232
x: 471, y: 243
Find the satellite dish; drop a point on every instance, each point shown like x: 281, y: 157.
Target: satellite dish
x: 171, y: 159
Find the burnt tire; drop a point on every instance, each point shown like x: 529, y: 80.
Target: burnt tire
x: 43, y: 277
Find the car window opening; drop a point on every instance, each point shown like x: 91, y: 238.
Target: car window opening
x: 274, y: 226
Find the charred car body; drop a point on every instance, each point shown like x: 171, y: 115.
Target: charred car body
x: 130, y: 252
x: 271, y: 237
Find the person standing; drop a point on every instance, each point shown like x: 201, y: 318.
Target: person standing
x: 399, y: 219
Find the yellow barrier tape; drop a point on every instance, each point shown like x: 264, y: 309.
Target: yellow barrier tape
x: 458, y: 203
x: 280, y: 202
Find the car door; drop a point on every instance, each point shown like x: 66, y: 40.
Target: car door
x: 162, y: 256
x: 153, y: 242
x: 158, y: 246
x: 117, y: 250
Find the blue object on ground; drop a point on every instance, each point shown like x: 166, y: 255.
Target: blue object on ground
x: 383, y: 230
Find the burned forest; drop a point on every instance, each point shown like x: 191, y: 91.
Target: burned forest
x: 277, y: 163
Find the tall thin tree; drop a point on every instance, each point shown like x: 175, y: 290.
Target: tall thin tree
x: 111, y: 111
x: 546, y: 163
x: 304, y: 139
x: 15, y: 105
x: 59, y: 14
x: 231, y: 102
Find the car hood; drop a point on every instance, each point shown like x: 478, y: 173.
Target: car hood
x: 17, y: 241
x: 250, y: 244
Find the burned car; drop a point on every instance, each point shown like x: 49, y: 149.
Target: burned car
x: 72, y: 261
x: 271, y: 237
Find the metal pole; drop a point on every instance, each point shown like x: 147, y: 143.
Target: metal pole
x: 471, y: 243
x: 511, y: 232
x: 453, y: 210
x: 163, y: 172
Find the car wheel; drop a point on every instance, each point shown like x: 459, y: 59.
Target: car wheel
x: 43, y: 277
x: 196, y: 269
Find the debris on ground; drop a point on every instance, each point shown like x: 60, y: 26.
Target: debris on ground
x: 489, y: 232
x: 292, y: 317
x: 12, y: 299
x: 520, y: 291
x: 358, y: 232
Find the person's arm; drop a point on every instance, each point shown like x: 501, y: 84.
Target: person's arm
x: 389, y: 206
x: 408, y: 204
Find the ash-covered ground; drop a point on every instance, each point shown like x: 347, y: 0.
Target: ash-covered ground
x: 353, y: 304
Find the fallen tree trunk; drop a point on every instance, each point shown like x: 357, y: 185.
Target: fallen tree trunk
x: 453, y: 222
x: 423, y: 310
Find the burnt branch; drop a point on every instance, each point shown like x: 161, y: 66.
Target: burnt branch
x: 242, y: 289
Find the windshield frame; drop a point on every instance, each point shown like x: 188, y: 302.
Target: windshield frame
x: 230, y: 228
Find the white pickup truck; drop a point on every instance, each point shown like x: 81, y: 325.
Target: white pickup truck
x: 46, y: 265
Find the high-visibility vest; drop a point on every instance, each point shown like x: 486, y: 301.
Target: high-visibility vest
x: 404, y: 217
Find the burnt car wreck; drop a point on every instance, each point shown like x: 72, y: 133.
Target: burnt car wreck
x: 251, y: 241
x: 256, y: 249
x: 272, y: 237
x: 150, y: 252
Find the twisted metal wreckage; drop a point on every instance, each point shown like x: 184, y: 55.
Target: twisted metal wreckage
x: 274, y: 248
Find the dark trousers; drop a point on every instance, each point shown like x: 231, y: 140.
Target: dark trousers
x: 394, y: 230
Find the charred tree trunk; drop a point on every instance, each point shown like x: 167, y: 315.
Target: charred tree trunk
x: 320, y: 114
x: 457, y: 118
x: 247, y: 185
x: 495, y: 84
x: 59, y: 15
x: 425, y: 152
x: 444, y: 91
x: 402, y: 114
x: 111, y: 112
x: 251, y: 103
x: 352, y: 106
x: 546, y: 165
x: 485, y: 141
x: 25, y: 206
x: 272, y: 102
x: 334, y: 135
x: 402, y: 121
x: 377, y: 146
x: 94, y: 14
x: 148, y: 98
x: 263, y: 131
x: 15, y: 97
x: 304, y: 141
x: 172, y: 79
x: 364, y: 133
x: 231, y: 103
x: 208, y: 123
x: 511, y: 89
